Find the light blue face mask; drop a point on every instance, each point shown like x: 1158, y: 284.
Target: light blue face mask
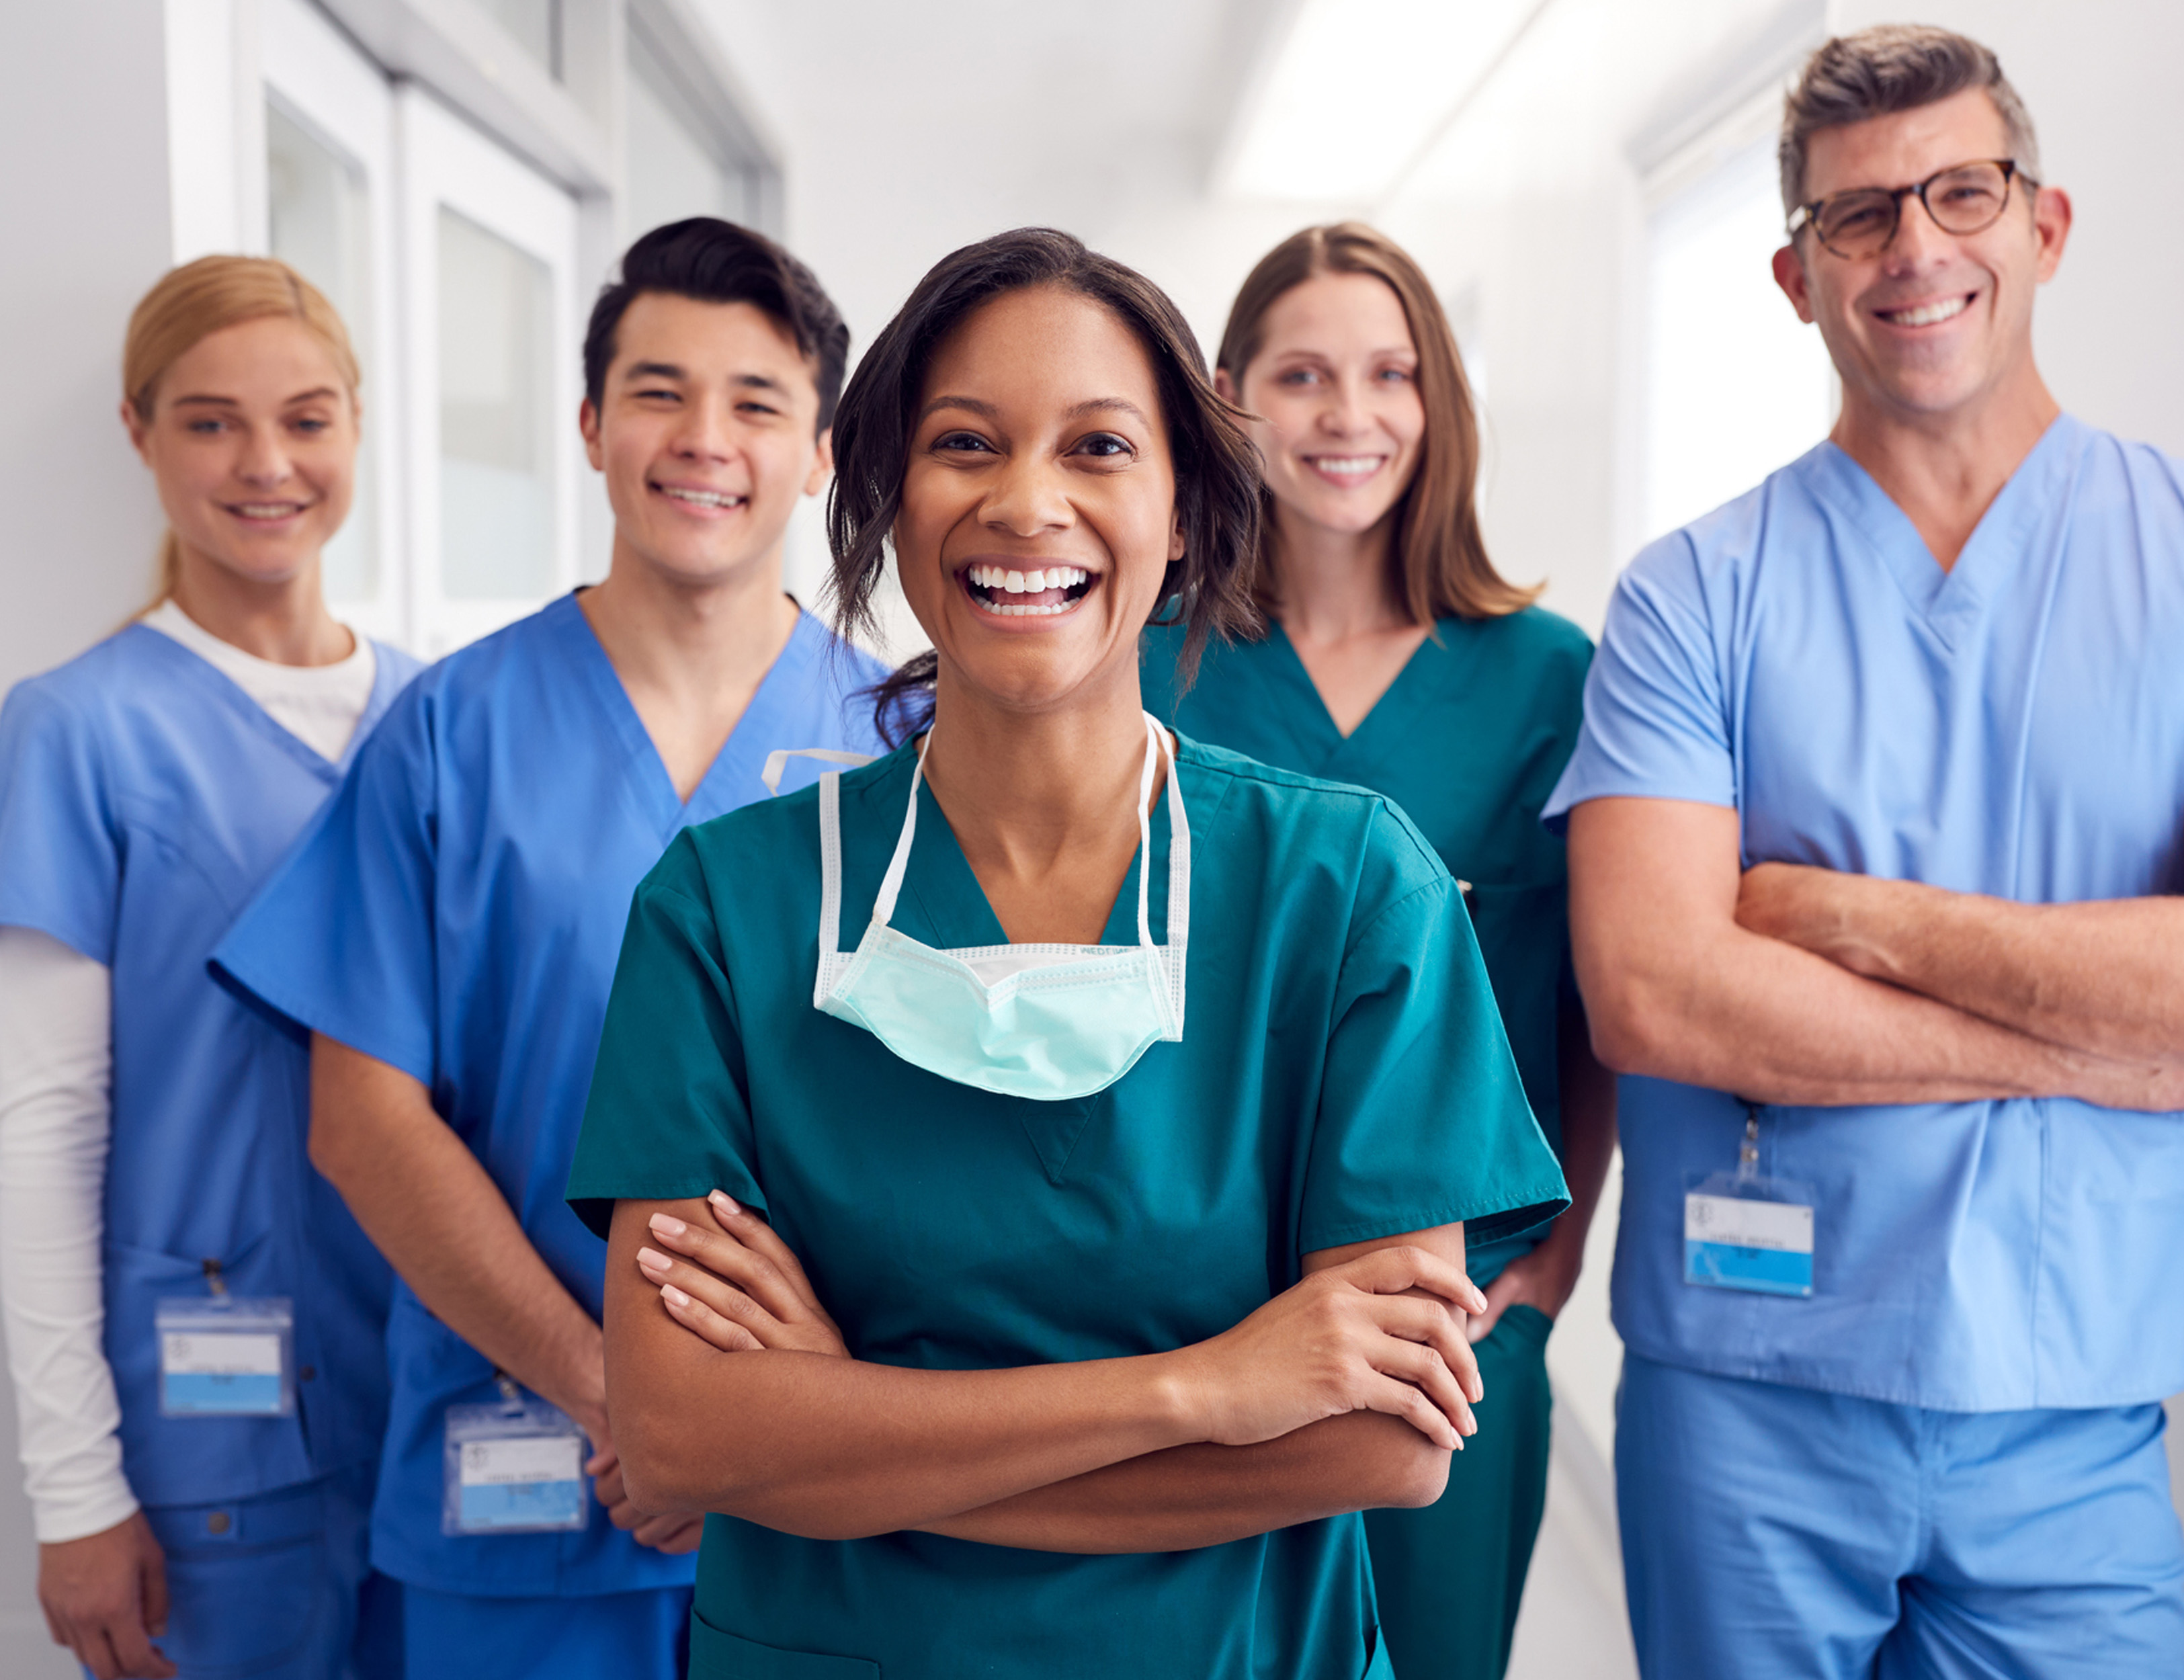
x: 1044, y: 1021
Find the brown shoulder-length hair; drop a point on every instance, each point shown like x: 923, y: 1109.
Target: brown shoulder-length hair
x: 1217, y: 469
x: 1440, y: 569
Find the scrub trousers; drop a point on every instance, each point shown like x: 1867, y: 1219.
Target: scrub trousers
x: 279, y: 1586
x: 1450, y: 1577
x: 1769, y: 1531
x: 629, y: 1636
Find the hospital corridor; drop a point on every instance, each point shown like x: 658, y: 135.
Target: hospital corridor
x: 1235, y: 839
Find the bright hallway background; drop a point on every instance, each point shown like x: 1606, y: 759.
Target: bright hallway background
x: 1587, y: 182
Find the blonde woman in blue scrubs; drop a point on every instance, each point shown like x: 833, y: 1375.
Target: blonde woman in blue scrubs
x: 1396, y: 658
x: 1038, y: 1165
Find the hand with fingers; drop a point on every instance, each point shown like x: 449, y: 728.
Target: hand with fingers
x: 736, y: 1284
x: 671, y: 1531
x: 105, y: 1597
x: 1381, y: 1332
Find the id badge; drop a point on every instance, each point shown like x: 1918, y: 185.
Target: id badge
x: 513, y: 1466
x: 1743, y: 1231
x: 226, y: 1356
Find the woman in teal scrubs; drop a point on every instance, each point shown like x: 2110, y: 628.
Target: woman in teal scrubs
x: 1397, y: 658
x: 1100, y: 1116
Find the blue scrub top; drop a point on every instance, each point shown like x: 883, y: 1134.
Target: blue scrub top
x: 456, y: 915
x: 1468, y: 740
x: 2012, y: 726
x: 1342, y: 1077
x: 143, y: 797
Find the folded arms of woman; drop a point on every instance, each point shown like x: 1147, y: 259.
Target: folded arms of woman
x: 1345, y: 1392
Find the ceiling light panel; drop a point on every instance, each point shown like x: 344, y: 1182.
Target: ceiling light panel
x: 1357, y: 88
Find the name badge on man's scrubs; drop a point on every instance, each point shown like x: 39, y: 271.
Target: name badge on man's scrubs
x: 223, y: 1355
x: 1743, y: 1231
x: 513, y: 1466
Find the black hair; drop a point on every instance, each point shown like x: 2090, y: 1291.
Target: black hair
x: 1216, y: 466
x: 717, y: 262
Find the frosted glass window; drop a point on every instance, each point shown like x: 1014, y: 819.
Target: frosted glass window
x: 674, y: 172
x: 536, y: 25
x: 496, y: 445
x: 1737, y: 385
x: 320, y: 224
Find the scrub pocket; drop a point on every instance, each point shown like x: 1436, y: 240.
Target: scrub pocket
x: 715, y: 1656
x: 248, y: 1582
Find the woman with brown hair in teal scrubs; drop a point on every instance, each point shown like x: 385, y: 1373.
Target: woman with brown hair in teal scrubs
x: 1396, y: 658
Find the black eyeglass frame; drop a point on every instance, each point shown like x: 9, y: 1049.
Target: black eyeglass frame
x: 1808, y: 215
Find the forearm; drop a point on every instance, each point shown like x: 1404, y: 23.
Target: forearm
x: 436, y: 1214
x: 1206, y: 1495
x: 56, y: 1061
x: 1588, y: 1124
x: 2103, y: 978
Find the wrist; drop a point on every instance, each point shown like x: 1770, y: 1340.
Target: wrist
x: 1180, y: 1400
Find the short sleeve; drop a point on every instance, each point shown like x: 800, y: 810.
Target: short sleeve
x: 669, y: 1114
x: 1423, y: 1119
x: 340, y: 939
x: 61, y: 840
x: 1656, y: 716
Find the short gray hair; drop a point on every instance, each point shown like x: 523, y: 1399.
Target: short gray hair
x: 1890, y: 68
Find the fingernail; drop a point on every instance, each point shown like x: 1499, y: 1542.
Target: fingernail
x: 725, y: 1203
x: 653, y: 1261
x: 667, y: 1225
x: 673, y: 1296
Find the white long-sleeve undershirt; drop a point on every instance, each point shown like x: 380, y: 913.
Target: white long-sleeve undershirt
x: 56, y: 1122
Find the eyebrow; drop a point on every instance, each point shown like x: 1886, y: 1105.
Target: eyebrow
x: 1091, y: 405
x: 749, y: 381
x: 312, y: 395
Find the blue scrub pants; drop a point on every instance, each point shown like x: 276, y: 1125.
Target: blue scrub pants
x: 279, y: 1586
x: 630, y: 1636
x: 1771, y: 1531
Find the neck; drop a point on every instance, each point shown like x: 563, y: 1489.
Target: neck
x: 1027, y: 788
x: 690, y: 641
x: 284, y: 621
x: 1944, y: 469
x: 1330, y: 586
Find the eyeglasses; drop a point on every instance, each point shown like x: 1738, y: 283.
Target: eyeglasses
x: 1962, y: 198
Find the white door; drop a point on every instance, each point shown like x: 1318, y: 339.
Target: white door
x: 329, y: 216
x: 491, y: 351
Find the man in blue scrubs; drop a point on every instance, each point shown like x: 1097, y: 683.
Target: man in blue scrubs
x: 448, y: 934
x: 1874, y: 825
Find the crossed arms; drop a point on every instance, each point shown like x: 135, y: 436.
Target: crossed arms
x: 1788, y: 984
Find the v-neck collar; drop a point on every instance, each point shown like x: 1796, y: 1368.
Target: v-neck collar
x: 1318, y: 730
x: 193, y: 667
x: 732, y: 777
x: 1952, y: 602
x: 942, y: 904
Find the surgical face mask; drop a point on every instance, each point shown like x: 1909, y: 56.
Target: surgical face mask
x: 1044, y: 1022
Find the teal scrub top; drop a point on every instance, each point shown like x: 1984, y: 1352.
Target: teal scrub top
x: 1342, y: 1077
x: 1469, y: 741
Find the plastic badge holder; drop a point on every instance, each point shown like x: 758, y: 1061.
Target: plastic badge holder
x: 221, y: 1355
x: 514, y: 1466
x: 1744, y: 1232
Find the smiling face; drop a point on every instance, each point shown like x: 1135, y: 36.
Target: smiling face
x: 706, y: 431
x: 1038, y: 517
x: 1334, y: 390
x: 253, y: 441
x: 1936, y: 321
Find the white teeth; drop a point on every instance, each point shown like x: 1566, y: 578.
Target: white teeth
x: 1033, y: 610
x: 268, y: 510
x: 704, y: 498
x: 1348, y: 463
x: 1014, y: 583
x: 1927, y: 314
x: 1027, y: 582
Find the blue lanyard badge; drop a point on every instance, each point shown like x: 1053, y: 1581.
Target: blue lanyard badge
x: 223, y: 1355
x: 1744, y: 1232
x: 513, y: 1466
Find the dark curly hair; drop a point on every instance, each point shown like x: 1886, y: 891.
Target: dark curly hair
x: 1217, y: 467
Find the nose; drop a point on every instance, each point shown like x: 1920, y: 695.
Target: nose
x: 265, y: 463
x: 1919, y: 240
x: 705, y: 434
x: 1345, y: 414
x: 1027, y: 499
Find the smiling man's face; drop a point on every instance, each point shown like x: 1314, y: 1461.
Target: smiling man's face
x: 1936, y: 321
x: 707, y: 432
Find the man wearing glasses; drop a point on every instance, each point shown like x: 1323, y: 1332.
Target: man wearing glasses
x: 1873, y: 828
